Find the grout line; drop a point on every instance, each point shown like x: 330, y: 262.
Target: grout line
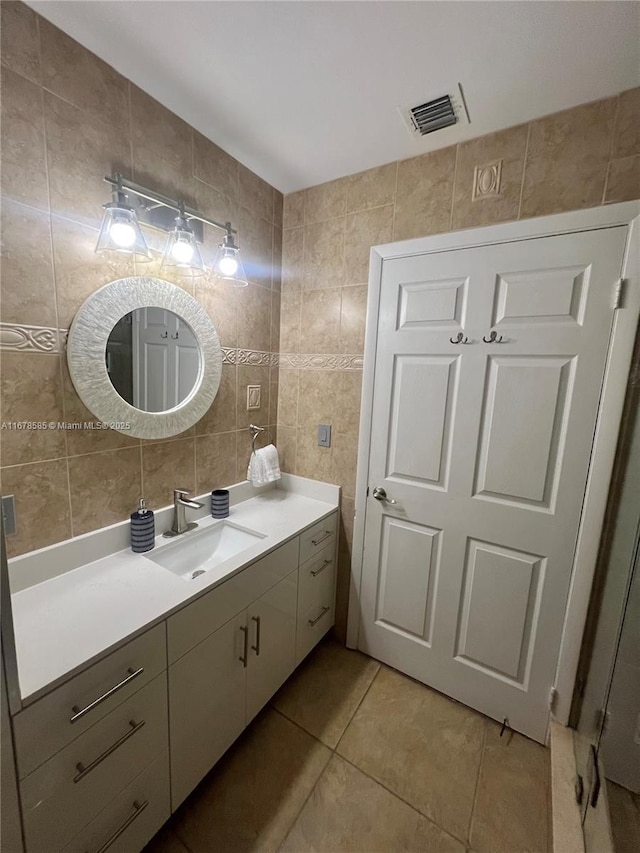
x: 477, y: 787
x: 45, y: 461
x: 524, y: 169
x: 614, y: 127
x: 606, y: 182
x: 453, y: 190
x: 348, y: 213
x: 302, y: 808
x: 364, y: 696
x: 63, y: 396
x: 395, y: 203
x: 69, y: 496
x: 402, y: 799
x: 48, y: 180
x: 141, y: 457
x: 131, y: 147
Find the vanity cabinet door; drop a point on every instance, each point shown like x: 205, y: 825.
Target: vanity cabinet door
x: 207, y: 689
x: 272, y: 642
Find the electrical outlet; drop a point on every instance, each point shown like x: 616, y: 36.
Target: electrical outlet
x: 324, y: 435
x: 9, y: 515
x: 253, y: 397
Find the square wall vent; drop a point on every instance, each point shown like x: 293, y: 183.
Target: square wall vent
x: 436, y: 114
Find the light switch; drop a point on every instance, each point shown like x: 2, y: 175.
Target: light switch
x: 324, y: 435
x: 253, y: 397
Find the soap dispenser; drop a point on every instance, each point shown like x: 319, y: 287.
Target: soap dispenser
x: 143, y: 529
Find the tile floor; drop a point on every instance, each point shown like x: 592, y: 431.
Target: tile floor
x: 624, y: 813
x: 354, y: 756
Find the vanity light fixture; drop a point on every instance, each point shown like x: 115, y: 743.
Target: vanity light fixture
x: 182, y: 253
x: 120, y: 230
x: 228, y: 264
x: 134, y: 204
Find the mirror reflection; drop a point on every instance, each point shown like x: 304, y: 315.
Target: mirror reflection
x: 153, y: 359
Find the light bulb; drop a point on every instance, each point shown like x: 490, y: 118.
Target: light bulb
x: 182, y: 251
x: 123, y: 234
x: 228, y: 265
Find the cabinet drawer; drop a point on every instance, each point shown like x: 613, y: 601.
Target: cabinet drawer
x: 314, y: 624
x: 52, y: 722
x: 63, y: 795
x: 132, y: 818
x: 317, y: 537
x: 197, y: 620
x: 316, y: 575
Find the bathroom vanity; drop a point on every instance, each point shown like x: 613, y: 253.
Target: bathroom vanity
x: 136, y: 675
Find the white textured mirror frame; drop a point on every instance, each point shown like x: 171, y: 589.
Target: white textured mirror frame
x: 86, y: 348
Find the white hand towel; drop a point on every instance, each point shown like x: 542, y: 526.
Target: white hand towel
x: 271, y: 462
x: 255, y: 472
x: 264, y: 466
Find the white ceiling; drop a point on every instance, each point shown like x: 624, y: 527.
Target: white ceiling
x: 304, y: 92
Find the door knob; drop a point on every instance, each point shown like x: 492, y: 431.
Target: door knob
x: 380, y: 495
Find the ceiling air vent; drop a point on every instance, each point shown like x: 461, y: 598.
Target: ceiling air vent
x: 435, y: 114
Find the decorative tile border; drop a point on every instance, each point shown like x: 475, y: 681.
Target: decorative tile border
x: 320, y: 361
x: 231, y: 355
x: 40, y: 339
x: 19, y: 338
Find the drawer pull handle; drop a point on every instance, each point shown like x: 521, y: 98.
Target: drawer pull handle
x: 321, y: 569
x: 84, y: 771
x: 139, y: 808
x: 256, y: 648
x: 245, y: 654
x: 327, y: 535
x: 314, y: 622
x: 78, y: 713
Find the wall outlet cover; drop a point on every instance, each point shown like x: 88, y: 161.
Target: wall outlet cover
x: 324, y: 435
x: 253, y: 397
x: 9, y: 515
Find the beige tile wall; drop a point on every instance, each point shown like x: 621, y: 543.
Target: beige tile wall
x: 578, y: 158
x: 68, y: 119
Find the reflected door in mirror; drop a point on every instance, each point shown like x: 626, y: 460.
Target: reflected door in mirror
x: 153, y: 359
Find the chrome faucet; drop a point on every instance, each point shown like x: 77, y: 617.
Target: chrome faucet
x: 180, y: 524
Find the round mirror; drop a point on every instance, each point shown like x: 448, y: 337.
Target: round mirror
x: 144, y: 357
x: 153, y: 359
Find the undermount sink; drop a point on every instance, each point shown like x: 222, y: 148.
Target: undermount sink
x: 193, y: 554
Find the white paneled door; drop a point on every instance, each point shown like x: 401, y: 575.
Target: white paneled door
x: 488, y: 374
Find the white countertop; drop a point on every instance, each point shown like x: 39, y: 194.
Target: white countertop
x: 65, y: 622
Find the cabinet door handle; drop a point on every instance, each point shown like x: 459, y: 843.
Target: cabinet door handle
x: 245, y: 654
x: 313, y: 622
x: 321, y: 569
x: 84, y: 771
x: 139, y: 808
x: 78, y: 713
x: 256, y: 648
x: 327, y: 534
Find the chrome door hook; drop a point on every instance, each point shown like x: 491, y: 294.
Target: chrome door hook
x: 460, y: 339
x: 493, y: 338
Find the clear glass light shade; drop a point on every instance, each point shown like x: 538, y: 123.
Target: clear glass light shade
x: 182, y: 254
x: 120, y: 232
x: 228, y: 265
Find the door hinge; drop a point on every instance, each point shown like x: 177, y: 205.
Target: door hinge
x: 619, y: 293
x: 367, y: 491
x: 602, y: 720
x: 553, y: 699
